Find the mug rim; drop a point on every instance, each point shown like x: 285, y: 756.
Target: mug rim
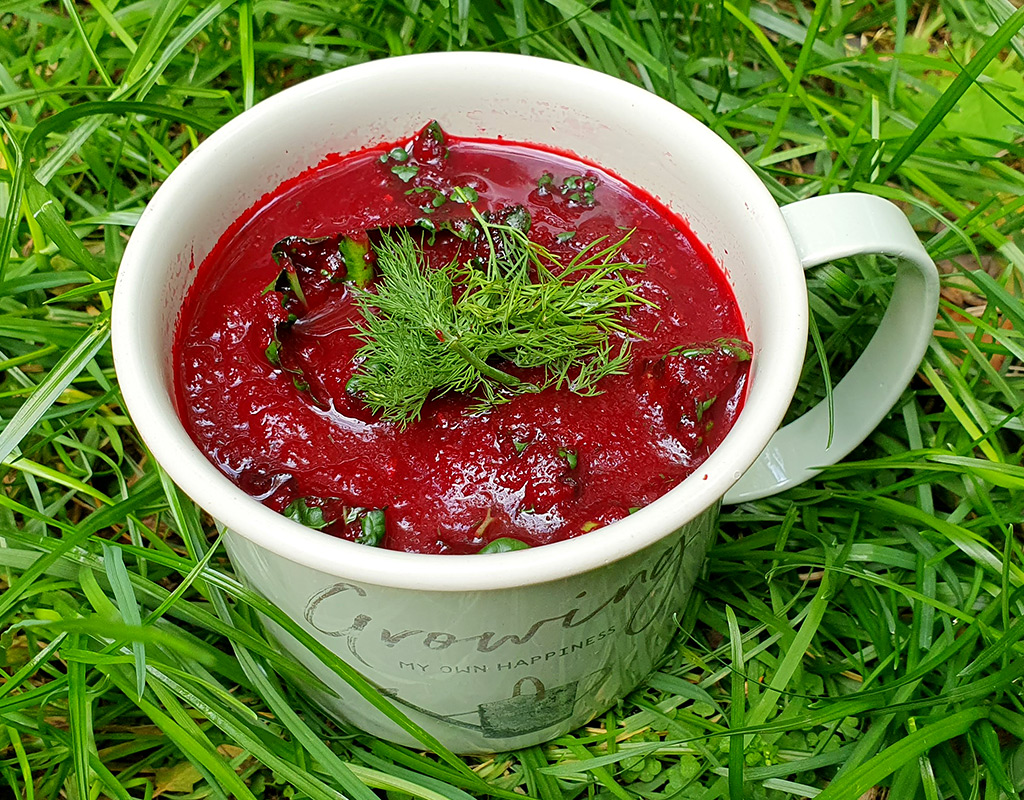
x: 189, y: 468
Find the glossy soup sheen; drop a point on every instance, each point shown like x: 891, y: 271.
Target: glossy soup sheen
x: 540, y: 468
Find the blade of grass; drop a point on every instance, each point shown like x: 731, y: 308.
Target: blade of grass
x: 737, y: 707
x: 22, y: 759
x: 248, y: 58
x: 860, y: 780
x: 968, y: 76
x: 117, y: 574
x: 189, y: 739
x: 80, y: 722
x: 166, y: 14
x: 796, y: 76
x: 59, y: 378
x: 76, y: 20
x: 145, y: 491
x: 210, y: 12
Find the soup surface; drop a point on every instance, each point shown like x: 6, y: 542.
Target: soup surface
x: 271, y: 351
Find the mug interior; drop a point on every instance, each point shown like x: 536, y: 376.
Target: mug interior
x: 628, y: 131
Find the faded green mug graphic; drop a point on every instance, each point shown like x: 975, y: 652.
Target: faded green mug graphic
x: 524, y: 713
x: 500, y: 651
x: 530, y: 707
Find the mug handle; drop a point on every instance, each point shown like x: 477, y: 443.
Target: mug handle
x: 826, y: 228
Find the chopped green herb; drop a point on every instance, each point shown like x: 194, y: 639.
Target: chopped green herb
x: 580, y: 189
x: 505, y: 544
x: 399, y: 154
x: 570, y: 456
x: 405, y: 172
x: 702, y: 407
x: 354, y: 253
x: 287, y: 283
x: 428, y: 146
x: 464, y: 194
x: 273, y: 353
x: 439, y: 198
x: 372, y: 525
x: 433, y: 130
x: 521, y: 446
x: 519, y: 218
x: 564, y: 237
x: 462, y: 228
x: 736, y: 348
x: 371, y: 522
x: 305, y: 514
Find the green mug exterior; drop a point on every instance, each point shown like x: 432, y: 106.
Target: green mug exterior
x: 487, y: 671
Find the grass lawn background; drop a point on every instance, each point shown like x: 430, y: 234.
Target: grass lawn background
x: 859, y: 636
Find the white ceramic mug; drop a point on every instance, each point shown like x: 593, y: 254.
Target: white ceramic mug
x: 495, y: 652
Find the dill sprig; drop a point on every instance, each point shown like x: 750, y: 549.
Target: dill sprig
x: 431, y: 331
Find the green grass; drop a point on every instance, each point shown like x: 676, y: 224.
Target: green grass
x: 858, y: 636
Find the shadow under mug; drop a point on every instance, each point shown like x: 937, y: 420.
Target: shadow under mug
x: 501, y: 651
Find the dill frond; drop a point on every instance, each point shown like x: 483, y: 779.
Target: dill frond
x: 432, y: 331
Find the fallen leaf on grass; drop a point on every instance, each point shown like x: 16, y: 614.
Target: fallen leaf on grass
x: 960, y: 291
x: 996, y: 359
x: 179, y: 778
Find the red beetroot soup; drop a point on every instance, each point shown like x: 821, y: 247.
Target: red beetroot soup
x: 266, y: 352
